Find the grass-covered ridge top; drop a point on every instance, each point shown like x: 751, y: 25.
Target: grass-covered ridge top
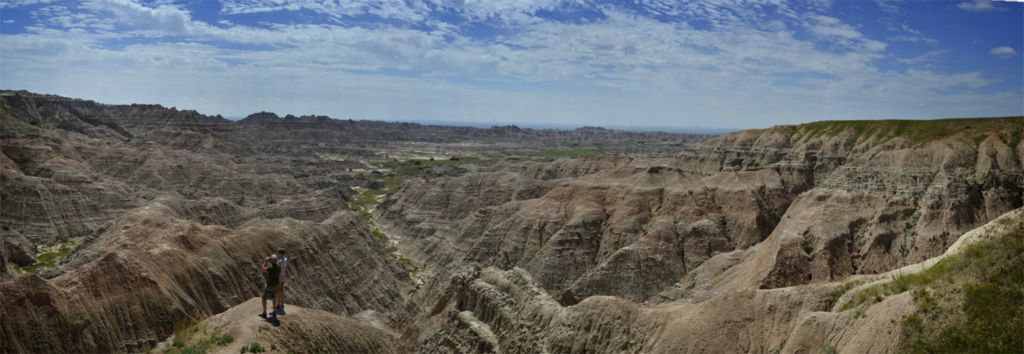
x: 969, y: 302
x: 918, y: 131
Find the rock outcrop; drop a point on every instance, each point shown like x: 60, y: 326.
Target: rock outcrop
x: 302, y: 330
x: 806, y: 208
x: 493, y: 310
x: 153, y: 271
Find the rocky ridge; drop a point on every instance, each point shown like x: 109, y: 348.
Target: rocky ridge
x: 708, y: 233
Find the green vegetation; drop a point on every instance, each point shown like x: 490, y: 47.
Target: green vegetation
x: 51, y: 256
x: 76, y: 317
x: 974, y: 303
x: 919, y: 131
x: 551, y: 154
x: 841, y: 291
x: 366, y: 198
x: 969, y: 302
x: 253, y: 347
x: 875, y: 294
x: 224, y: 339
x: 42, y: 335
x: 828, y: 349
x: 379, y: 235
x: 196, y: 340
x: 397, y: 171
x: 412, y: 267
x: 417, y: 167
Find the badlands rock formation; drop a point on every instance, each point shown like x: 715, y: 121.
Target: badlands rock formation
x: 153, y: 271
x: 786, y: 205
x: 712, y: 240
x: 743, y: 243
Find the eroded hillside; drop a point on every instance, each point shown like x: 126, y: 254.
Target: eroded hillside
x: 720, y: 234
x: 123, y: 225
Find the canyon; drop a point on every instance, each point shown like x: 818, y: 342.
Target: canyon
x: 122, y: 226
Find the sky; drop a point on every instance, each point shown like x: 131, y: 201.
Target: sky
x: 711, y: 63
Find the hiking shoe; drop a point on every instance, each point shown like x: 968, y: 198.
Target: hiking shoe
x: 280, y: 310
x: 263, y: 315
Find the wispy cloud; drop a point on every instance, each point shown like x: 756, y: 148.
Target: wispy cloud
x: 529, y: 60
x: 977, y: 5
x: 10, y: 4
x: 1003, y: 52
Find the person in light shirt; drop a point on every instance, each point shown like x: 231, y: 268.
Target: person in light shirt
x: 282, y: 262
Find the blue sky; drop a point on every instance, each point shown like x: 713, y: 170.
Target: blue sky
x: 712, y: 63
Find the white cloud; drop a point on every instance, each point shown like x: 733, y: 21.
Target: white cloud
x: 889, y: 6
x: 10, y: 4
x: 977, y: 5
x: 130, y: 15
x: 831, y: 28
x: 392, y: 9
x: 507, y: 11
x: 1003, y: 52
x: 624, y: 63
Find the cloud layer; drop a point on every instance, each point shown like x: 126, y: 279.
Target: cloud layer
x: 711, y: 63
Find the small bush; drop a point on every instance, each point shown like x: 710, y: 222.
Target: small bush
x: 383, y: 238
x: 253, y: 347
x: 223, y: 340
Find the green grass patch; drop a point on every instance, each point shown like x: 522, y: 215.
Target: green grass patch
x: 898, y: 284
x: 841, y: 290
x: 365, y: 199
x: 975, y: 302
x: 972, y: 302
x: 51, y: 256
x: 421, y: 167
x: 254, y: 347
x: 392, y: 184
x: 224, y: 339
x: 380, y: 236
x: 409, y: 264
x: 564, y: 153
x: 197, y: 340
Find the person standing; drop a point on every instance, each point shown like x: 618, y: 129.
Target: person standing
x: 272, y: 275
x: 282, y: 263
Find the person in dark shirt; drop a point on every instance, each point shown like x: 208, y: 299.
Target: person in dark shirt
x: 272, y: 275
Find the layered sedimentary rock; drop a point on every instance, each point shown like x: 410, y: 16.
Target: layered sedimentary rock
x: 628, y: 229
x: 826, y: 206
x: 700, y: 235
x: 70, y: 166
x: 493, y: 310
x: 152, y: 271
x: 739, y: 244
x: 890, y: 201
